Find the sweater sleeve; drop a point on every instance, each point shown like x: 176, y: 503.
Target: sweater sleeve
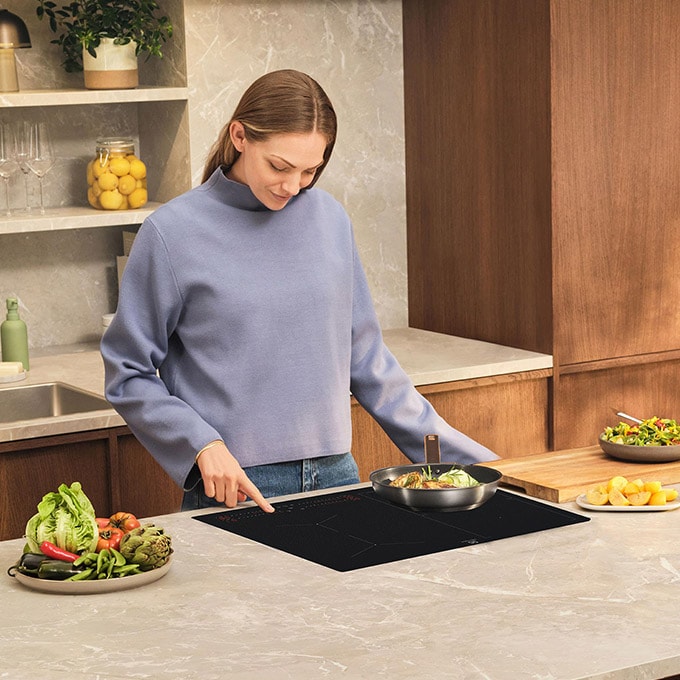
x: 134, y: 348
x: 382, y: 387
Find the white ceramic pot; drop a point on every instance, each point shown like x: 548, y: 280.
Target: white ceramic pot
x: 114, y: 68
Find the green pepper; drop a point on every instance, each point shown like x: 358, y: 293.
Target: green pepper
x: 57, y: 570
x: 29, y: 563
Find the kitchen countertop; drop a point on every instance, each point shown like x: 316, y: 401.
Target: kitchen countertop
x: 427, y: 357
x: 593, y: 600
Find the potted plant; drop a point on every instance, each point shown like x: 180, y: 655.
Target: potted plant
x: 89, y: 31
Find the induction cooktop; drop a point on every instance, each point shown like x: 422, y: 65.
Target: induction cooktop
x: 353, y: 529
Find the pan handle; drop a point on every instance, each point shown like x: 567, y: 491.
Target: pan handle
x: 432, y: 453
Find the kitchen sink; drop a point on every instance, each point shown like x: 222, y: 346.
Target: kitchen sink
x: 47, y: 400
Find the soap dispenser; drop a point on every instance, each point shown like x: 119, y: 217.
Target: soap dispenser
x: 14, y: 335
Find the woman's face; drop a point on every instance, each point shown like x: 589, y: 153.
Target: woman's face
x: 277, y: 168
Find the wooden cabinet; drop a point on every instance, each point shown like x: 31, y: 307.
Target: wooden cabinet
x: 115, y: 470
x: 542, y: 140
x: 508, y: 414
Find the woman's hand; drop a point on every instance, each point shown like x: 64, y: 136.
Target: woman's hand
x: 225, y: 480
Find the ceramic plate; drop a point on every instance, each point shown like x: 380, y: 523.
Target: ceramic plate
x: 92, y: 587
x: 640, y: 454
x: 13, y: 378
x: 581, y: 500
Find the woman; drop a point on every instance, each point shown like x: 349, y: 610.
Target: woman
x: 245, y: 320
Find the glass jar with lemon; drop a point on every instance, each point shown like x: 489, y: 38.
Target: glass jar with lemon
x: 116, y: 177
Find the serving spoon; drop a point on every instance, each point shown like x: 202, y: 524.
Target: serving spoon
x: 626, y: 416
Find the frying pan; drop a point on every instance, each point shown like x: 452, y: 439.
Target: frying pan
x: 445, y: 500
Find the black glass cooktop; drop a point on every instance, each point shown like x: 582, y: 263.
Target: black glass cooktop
x: 349, y: 530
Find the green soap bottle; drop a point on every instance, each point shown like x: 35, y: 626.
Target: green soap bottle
x: 14, y: 335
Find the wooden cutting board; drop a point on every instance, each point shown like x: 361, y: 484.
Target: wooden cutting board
x: 561, y: 476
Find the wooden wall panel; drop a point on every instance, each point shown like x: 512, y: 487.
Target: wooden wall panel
x: 31, y: 468
x: 616, y: 183
x: 477, y: 113
x: 584, y: 402
x: 508, y: 414
x: 139, y: 483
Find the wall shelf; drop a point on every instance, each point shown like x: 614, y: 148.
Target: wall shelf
x: 57, y: 219
x: 66, y: 97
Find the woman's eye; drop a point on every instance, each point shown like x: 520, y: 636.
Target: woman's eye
x: 277, y: 169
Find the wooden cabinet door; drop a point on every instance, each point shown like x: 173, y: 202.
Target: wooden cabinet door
x: 32, y: 468
x: 615, y: 198
x: 139, y: 483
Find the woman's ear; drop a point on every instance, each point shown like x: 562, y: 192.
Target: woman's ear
x: 237, y: 134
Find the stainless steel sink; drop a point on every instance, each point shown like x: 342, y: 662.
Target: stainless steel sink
x: 47, y: 400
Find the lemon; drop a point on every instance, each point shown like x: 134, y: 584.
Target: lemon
x: 124, y: 205
x: 96, y: 189
x: 90, y: 173
x: 640, y: 498
x: 107, y: 181
x: 137, y: 169
x: 131, y: 157
x: 127, y: 184
x: 91, y: 198
x: 119, y: 166
x: 654, y: 487
x: 618, y: 483
x: 141, y: 183
x: 658, y: 498
x: 110, y: 200
x: 671, y: 494
x: 137, y: 198
x: 98, y: 168
x: 616, y: 497
x: 631, y: 488
x: 597, y: 495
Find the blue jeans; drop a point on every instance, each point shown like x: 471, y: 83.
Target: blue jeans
x: 280, y: 479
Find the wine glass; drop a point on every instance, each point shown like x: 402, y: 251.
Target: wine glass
x: 22, y: 152
x: 8, y: 162
x: 40, y: 155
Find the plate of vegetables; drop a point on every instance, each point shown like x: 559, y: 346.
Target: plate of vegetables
x: 654, y: 440
x: 71, y: 551
x: 442, y: 487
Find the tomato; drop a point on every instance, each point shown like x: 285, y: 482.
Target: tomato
x: 109, y: 537
x: 124, y: 521
x: 103, y: 522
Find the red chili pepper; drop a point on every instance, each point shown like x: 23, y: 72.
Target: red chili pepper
x: 57, y: 553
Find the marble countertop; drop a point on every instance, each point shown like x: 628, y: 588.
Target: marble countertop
x: 427, y: 357
x: 593, y: 600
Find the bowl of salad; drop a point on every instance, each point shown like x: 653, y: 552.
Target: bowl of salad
x: 440, y: 487
x: 654, y: 440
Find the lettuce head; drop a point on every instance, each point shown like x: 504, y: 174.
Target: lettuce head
x: 66, y: 518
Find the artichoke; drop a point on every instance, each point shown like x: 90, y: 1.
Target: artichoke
x: 148, y: 546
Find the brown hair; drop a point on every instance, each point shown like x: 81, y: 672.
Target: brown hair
x: 285, y: 101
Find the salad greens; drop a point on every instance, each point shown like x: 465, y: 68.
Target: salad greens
x: 651, y: 432
x: 67, y: 519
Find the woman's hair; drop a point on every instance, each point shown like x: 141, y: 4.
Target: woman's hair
x: 279, y: 102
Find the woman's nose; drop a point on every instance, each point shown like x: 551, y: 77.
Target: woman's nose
x: 292, y: 185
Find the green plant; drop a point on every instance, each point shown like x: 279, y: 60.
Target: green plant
x: 82, y: 24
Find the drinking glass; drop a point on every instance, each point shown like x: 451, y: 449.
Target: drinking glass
x: 8, y: 163
x: 40, y: 155
x: 22, y: 153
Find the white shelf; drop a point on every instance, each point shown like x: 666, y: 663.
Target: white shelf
x: 28, y: 98
x: 57, y: 219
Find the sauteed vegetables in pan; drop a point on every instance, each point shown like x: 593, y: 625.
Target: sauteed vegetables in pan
x: 451, y: 479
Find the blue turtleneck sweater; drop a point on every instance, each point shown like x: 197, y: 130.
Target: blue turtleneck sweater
x: 239, y: 323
